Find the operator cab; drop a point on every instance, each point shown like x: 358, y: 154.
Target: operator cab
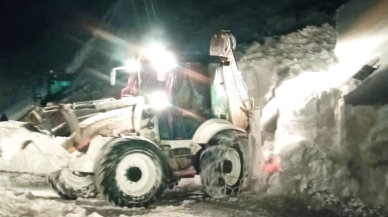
x: 184, y: 97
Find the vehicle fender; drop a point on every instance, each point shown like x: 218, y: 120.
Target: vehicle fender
x: 129, y: 138
x: 86, y: 163
x: 211, y: 127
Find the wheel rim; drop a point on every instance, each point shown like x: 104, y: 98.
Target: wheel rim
x: 137, y: 174
x: 231, y: 160
x: 74, y: 181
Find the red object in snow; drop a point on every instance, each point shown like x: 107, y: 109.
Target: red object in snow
x: 271, y: 167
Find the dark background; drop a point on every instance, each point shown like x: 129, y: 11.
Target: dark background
x: 40, y: 35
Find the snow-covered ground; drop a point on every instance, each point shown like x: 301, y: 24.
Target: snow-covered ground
x: 35, y: 199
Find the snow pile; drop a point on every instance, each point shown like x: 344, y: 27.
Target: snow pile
x: 31, y: 152
x: 265, y: 66
x: 327, y: 146
x: 323, y: 144
x: 307, y: 139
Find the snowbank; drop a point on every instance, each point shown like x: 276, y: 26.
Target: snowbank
x: 23, y: 150
x: 323, y: 144
x: 326, y: 146
x: 265, y: 66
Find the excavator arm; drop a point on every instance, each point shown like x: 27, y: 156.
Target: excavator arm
x: 222, y: 45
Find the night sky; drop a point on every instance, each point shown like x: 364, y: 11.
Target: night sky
x: 41, y: 35
x: 34, y: 32
x: 24, y: 22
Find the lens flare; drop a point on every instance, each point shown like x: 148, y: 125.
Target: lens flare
x: 161, y: 59
x: 158, y: 100
x: 132, y: 65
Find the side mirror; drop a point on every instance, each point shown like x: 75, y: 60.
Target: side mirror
x: 113, y: 77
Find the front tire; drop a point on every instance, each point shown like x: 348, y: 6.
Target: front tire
x: 131, y: 173
x: 222, y: 164
x: 70, y: 186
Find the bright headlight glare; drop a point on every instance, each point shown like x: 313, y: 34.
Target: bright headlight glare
x: 154, y: 51
x: 132, y: 65
x: 161, y: 60
x: 164, y: 63
x: 158, y: 100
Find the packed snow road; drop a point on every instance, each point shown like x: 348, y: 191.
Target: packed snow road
x: 29, y: 196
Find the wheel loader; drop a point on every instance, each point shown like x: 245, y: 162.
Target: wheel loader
x: 178, y: 116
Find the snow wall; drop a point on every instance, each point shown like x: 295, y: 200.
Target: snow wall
x: 321, y: 144
x: 26, y: 151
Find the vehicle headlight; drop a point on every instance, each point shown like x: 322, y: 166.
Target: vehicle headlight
x: 158, y: 100
x: 164, y: 63
x: 161, y: 59
x: 132, y: 65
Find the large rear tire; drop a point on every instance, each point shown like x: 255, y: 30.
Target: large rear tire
x: 222, y: 164
x: 132, y: 173
x: 70, y: 186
